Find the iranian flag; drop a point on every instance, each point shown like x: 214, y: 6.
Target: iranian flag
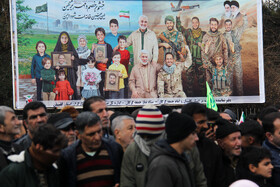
x: 242, y: 118
x: 124, y: 14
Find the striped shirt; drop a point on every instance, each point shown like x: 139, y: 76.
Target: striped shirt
x: 96, y: 170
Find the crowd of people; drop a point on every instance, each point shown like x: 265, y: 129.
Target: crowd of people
x: 152, y: 146
x: 213, y: 56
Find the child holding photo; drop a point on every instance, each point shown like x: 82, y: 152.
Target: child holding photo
x: 91, y: 78
x: 36, y: 67
x: 62, y: 88
x: 122, y: 75
x: 48, y: 79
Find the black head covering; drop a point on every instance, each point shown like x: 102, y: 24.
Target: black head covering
x: 70, y: 46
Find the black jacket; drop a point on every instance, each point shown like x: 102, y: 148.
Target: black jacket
x: 168, y: 168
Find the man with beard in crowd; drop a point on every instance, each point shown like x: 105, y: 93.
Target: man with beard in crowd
x: 172, y: 40
x: 194, y: 37
x: 34, y: 114
x: 142, y: 80
x: 210, y: 154
x: 143, y: 39
x: 213, y: 42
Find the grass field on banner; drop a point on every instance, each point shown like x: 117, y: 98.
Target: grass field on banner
x: 25, y: 53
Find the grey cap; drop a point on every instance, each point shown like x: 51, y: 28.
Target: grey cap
x: 60, y: 120
x: 231, y: 114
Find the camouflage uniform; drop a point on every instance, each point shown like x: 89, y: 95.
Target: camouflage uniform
x: 219, y: 81
x: 175, y: 37
x: 170, y: 84
x: 196, y: 69
x: 234, y: 57
x: 217, y: 45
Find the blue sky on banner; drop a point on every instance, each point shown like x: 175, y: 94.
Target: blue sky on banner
x: 111, y: 10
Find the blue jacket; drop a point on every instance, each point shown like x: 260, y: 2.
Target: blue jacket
x: 37, y: 65
x: 275, y: 160
x: 68, y: 161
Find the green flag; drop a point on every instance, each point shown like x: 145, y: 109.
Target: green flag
x: 210, y: 102
x: 43, y: 8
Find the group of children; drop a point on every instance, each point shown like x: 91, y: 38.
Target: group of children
x: 87, y: 76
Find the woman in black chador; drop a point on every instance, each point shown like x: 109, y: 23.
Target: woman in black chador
x: 64, y: 44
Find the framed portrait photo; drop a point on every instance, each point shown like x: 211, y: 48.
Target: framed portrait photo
x: 62, y: 59
x: 112, y: 80
x: 100, y: 52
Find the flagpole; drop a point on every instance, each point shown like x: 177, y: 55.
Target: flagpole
x: 47, y: 18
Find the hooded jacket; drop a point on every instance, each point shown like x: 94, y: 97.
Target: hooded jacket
x: 168, y: 168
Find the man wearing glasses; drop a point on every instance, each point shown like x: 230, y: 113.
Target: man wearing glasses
x: 34, y: 114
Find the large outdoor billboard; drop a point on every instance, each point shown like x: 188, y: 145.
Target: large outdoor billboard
x: 166, y: 56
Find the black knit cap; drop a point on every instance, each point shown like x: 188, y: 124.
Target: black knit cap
x: 226, y: 128
x: 178, y: 126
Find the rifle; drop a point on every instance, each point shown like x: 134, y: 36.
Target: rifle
x: 175, y: 49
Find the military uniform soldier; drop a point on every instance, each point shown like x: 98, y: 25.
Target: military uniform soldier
x: 172, y: 40
x: 194, y: 39
x: 169, y: 79
x: 234, y: 53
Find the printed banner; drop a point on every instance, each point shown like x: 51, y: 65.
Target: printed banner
x: 162, y: 52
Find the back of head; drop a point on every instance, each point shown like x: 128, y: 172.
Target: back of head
x: 34, y: 105
x: 178, y: 126
x: 268, y: 120
x: 3, y: 110
x: 49, y: 137
x: 193, y: 108
x: 86, y: 119
x: 149, y: 121
x: 266, y: 111
x: 212, y: 115
x: 71, y: 110
x: 252, y: 128
x: 231, y: 114
x: 89, y: 101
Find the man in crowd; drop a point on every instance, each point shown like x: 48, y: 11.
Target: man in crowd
x: 123, y: 127
x: 194, y: 38
x: 143, y: 39
x: 271, y: 126
x: 35, y: 166
x: 34, y: 114
x: 228, y: 137
x: 172, y: 40
x: 168, y: 164
x: 210, y: 154
x: 97, y: 104
x: 9, y: 127
x: 142, y: 80
x: 149, y: 127
x: 251, y: 133
x: 93, y: 160
x: 63, y: 122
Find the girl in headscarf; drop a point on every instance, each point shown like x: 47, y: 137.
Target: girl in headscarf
x: 83, y: 52
x: 64, y: 44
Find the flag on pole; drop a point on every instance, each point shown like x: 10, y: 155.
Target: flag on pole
x: 210, y: 101
x: 242, y: 118
x: 124, y: 14
x: 43, y: 8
